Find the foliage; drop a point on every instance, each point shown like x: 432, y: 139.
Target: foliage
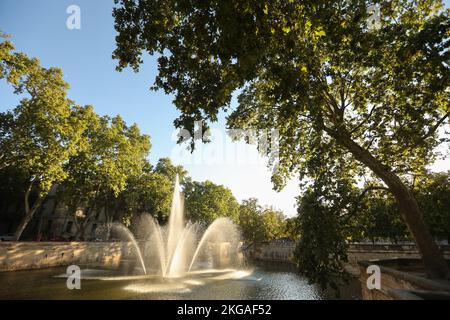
x: 378, y: 219
x: 292, y: 228
x: 334, y: 86
x: 260, y: 224
x: 40, y: 134
x: 325, y: 227
x: 166, y: 168
x: 322, y: 250
x: 377, y: 216
x: 109, y: 154
x: 206, y: 201
x: 48, y: 140
x: 433, y: 194
x: 150, y: 192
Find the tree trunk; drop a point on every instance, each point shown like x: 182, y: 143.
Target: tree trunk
x: 107, y: 223
x: 29, y: 212
x: 433, y: 260
x: 77, y: 235
x: 41, y: 221
x: 81, y: 226
x: 63, y: 229
x: 39, y: 231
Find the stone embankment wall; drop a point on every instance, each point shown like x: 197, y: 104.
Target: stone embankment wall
x: 367, y: 252
x: 401, y: 279
x: 37, y: 255
x: 271, y: 251
x: 283, y: 252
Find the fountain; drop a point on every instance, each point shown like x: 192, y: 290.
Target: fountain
x: 180, y: 260
x: 177, y: 249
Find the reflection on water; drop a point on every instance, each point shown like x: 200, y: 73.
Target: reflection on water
x: 259, y: 282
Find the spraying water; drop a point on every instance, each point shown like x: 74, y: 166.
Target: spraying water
x: 176, y: 223
x: 174, y: 250
x: 123, y: 233
x: 220, y: 231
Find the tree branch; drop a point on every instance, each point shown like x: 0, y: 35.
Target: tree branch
x: 361, y: 197
x: 432, y: 130
x: 363, y: 121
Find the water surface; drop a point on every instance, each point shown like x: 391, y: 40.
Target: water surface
x: 260, y: 282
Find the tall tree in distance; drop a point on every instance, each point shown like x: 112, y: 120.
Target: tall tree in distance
x: 151, y: 192
x: 317, y: 71
x: 260, y: 223
x: 206, y: 201
x: 165, y: 167
x: 109, y: 154
x: 433, y: 194
x: 39, y: 135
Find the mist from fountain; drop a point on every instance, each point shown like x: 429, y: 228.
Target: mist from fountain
x: 221, y: 230
x: 120, y: 231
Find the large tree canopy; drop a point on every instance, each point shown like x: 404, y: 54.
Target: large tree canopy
x: 151, y: 191
x: 206, y: 201
x: 334, y: 86
x: 168, y: 169
x: 109, y: 156
x: 40, y: 134
x: 47, y: 141
x: 260, y: 223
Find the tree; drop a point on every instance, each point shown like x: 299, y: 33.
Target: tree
x: 316, y: 71
x: 260, y: 224
x: 322, y: 249
x: 378, y: 218
x: 166, y: 168
x: 377, y: 215
x: 109, y: 155
x: 150, y: 192
x: 325, y: 222
x: 273, y: 223
x: 250, y: 222
x: 384, y: 220
x: 433, y: 194
x: 12, y: 188
x: 39, y: 135
x: 292, y: 228
x: 206, y: 201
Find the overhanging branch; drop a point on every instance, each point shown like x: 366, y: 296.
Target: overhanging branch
x: 361, y: 197
x: 432, y: 130
x: 363, y: 121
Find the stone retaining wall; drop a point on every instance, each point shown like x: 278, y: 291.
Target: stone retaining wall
x: 402, y: 279
x: 37, y: 255
x: 283, y: 252
x: 274, y: 252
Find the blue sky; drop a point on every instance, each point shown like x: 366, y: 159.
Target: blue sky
x: 38, y: 28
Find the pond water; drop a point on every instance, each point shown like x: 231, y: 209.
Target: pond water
x: 259, y: 282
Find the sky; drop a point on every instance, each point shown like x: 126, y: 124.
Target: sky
x: 38, y: 28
